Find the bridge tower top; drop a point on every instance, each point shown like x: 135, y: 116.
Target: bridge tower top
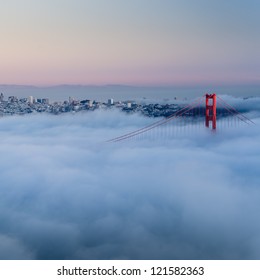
x: 211, y: 111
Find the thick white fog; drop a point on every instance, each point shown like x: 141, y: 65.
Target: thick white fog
x: 67, y: 194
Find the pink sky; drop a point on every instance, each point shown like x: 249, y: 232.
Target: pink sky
x: 141, y: 42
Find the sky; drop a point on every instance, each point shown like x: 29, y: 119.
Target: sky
x: 138, y: 42
x: 65, y: 193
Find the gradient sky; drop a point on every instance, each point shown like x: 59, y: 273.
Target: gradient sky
x: 137, y: 42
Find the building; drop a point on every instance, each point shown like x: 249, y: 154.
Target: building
x: 12, y: 99
x: 90, y: 103
x: 71, y: 99
x: 30, y: 99
x: 110, y: 101
x: 1, y: 97
x: 45, y: 101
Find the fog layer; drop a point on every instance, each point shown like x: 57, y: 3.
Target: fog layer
x: 67, y: 194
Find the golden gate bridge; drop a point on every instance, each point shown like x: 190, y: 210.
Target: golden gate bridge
x: 209, y: 111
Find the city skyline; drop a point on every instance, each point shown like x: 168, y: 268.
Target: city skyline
x: 147, y: 43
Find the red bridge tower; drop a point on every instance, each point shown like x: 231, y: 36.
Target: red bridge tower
x: 211, y: 110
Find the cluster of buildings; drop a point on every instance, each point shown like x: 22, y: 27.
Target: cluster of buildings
x: 22, y: 106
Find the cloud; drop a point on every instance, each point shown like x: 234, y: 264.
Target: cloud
x: 12, y: 249
x: 67, y: 194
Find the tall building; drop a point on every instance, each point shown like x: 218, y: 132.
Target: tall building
x: 90, y: 103
x: 71, y: 100
x: 1, y: 97
x: 110, y: 101
x: 30, y: 99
